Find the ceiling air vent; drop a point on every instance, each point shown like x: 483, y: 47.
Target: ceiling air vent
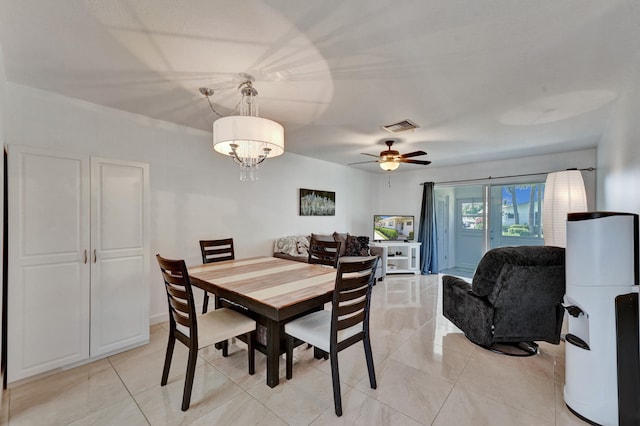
x: 400, y: 126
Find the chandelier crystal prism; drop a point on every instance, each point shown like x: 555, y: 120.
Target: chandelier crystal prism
x: 247, y: 138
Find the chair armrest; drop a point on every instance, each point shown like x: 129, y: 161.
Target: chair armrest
x: 467, y: 311
x: 381, y: 252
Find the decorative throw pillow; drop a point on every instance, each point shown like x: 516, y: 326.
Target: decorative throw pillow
x: 302, y: 244
x: 287, y: 245
x: 342, y: 238
x: 357, y: 246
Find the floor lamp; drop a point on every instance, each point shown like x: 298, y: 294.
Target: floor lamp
x: 563, y: 193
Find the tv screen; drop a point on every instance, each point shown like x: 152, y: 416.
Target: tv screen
x: 393, y: 228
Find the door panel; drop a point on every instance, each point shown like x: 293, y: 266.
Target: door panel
x: 119, y: 268
x: 48, y: 279
x: 52, y: 335
x: 469, y: 240
x: 119, y: 194
x: 118, y: 300
x: 53, y: 208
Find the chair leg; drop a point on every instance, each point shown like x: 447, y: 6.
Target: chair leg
x: 289, y: 361
x: 205, y: 302
x: 335, y: 376
x: 369, y: 356
x: 167, y: 359
x: 252, y: 352
x: 188, y: 380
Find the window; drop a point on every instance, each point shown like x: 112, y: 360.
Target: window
x: 520, y: 207
x: 471, y: 214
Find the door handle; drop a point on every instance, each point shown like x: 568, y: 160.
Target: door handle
x: 94, y: 256
x: 85, y: 256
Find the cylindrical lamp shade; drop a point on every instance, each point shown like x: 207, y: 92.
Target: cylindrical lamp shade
x: 251, y: 134
x: 563, y: 194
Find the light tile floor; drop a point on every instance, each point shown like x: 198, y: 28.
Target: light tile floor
x: 427, y: 372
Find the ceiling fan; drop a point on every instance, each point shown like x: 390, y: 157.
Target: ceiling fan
x: 390, y: 159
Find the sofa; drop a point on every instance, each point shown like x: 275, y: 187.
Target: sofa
x: 296, y: 247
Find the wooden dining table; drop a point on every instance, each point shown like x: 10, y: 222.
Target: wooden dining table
x: 271, y: 290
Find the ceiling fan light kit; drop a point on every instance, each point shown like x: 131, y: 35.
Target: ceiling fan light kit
x: 389, y: 165
x: 390, y: 159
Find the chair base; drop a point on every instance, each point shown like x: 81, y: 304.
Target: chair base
x: 520, y: 349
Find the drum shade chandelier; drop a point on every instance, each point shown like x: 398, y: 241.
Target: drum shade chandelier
x: 247, y: 138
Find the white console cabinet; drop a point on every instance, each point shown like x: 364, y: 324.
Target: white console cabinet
x: 78, y: 243
x: 402, y: 258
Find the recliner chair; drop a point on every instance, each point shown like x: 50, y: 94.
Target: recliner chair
x: 515, y: 298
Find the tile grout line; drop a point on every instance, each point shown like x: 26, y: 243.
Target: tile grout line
x: 135, y: 401
x: 244, y: 391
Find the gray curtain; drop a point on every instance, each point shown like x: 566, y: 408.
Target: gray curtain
x: 427, y: 232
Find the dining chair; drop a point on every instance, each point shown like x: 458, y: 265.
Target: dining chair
x: 345, y: 324
x: 324, y: 252
x: 215, y: 251
x: 197, y: 332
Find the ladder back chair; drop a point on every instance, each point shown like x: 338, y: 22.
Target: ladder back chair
x: 324, y: 252
x: 197, y: 332
x: 345, y: 324
x: 215, y: 251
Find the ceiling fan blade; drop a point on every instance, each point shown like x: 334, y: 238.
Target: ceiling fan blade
x: 424, y: 163
x: 413, y: 154
x: 371, y: 155
x: 363, y: 162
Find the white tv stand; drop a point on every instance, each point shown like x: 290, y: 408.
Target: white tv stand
x: 402, y: 257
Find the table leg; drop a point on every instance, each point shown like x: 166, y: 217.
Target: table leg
x: 221, y: 345
x: 273, y: 353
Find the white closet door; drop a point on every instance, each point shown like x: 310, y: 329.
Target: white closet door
x: 119, y: 255
x: 48, y: 288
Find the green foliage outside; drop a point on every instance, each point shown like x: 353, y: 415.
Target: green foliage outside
x: 411, y: 235
x: 471, y: 209
x: 391, y: 234
x: 518, y: 230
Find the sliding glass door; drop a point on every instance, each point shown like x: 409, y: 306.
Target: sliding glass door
x: 472, y: 219
x: 469, y: 232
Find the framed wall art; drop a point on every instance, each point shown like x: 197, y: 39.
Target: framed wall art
x: 317, y: 203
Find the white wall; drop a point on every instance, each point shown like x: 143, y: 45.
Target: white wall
x: 405, y: 194
x: 195, y: 193
x: 619, y: 154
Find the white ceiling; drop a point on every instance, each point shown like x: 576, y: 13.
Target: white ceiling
x: 484, y: 79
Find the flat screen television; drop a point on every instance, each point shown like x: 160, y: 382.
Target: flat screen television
x: 393, y: 227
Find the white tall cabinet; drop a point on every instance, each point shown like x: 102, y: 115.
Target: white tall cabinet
x: 78, y: 259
